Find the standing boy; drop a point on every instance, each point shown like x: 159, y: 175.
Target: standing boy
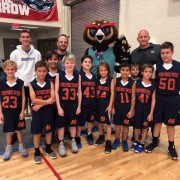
x: 167, y: 81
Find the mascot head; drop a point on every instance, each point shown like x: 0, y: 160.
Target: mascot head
x: 100, y: 34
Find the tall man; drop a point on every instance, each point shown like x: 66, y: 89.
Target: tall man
x: 146, y: 53
x: 25, y: 57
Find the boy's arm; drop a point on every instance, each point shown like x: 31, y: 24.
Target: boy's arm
x: 79, y: 96
x: 153, y: 102
x: 133, y: 100
x: 21, y: 116
x: 60, y: 110
x: 1, y: 114
x: 37, y: 101
x: 52, y: 91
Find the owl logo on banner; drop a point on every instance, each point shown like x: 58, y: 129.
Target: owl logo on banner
x: 40, y: 5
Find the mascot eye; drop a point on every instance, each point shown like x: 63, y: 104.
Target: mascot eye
x: 106, y: 30
x: 93, y: 31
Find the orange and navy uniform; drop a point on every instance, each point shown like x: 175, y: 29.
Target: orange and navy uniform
x: 143, y: 104
x: 167, y: 82
x: 122, y: 105
x: 11, y: 103
x: 52, y: 77
x: 42, y: 120
x: 88, y: 105
x: 103, y: 94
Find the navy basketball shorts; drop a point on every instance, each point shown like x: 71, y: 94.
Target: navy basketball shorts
x: 142, y: 111
x: 101, y: 115
x: 12, y: 122
x: 167, y: 109
x: 42, y: 120
x: 87, y: 115
x: 70, y: 118
x: 120, y: 116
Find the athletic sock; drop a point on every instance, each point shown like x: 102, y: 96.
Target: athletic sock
x: 155, y: 140
x: 37, y: 152
x: 171, y: 144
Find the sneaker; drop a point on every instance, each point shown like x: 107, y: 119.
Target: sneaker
x: 62, y: 150
x: 108, y: 147
x: 151, y: 147
x: 115, y: 144
x: 125, y: 146
x: 140, y: 148
x: 90, y: 139
x: 134, y: 146
x: 78, y: 142
x: 37, y: 159
x: 74, y: 147
x: 172, y: 153
x: 100, y: 140
x: 8, y: 153
x: 23, y: 151
x: 51, y: 154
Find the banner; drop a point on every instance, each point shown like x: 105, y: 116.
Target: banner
x: 37, y: 10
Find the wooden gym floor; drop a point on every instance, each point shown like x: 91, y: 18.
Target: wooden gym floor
x: 91, y: 163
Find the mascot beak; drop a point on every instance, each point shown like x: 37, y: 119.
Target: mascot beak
x: 100, y: 36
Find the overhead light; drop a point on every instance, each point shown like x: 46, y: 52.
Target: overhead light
x: 29, y: 27
x: 17, y: 29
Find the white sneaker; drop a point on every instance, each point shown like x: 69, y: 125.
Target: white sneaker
x: 74, y: 147
x: 23, y: 151
x: 8, y: 153
x: 62, y: 150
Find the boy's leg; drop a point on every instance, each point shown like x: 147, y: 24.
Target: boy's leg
x: 108, y: 146
x: 171, y: 149
x: 37, y: 154
x: 74, y: 147
x: 136, y: 142
x: 8, y: 149
x: 125, y: 137
x: 22, y: 150
x: 78, y: 139
x: 101, y: 137
x: 89, y: 136
x: 116, y: 142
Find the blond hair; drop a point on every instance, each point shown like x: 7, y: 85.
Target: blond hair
x: 69, y: 57
x: 9, y: 63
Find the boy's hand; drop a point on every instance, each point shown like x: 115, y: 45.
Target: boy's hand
x: 60, y: 112
x: 109, y: 110
x: 130, y: 114
x: 51, y: 101
x: 150, y: 117
x: 1, y: 118
x: 78, y: 110
x: 36, y: 107
x: 21, y: 116
x: 113, y: 111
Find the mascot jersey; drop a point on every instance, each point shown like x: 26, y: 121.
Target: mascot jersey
x: 107, y: 56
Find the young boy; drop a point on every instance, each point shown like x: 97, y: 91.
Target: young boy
x: 167, y: 82
x: 68, y: 99
x: 145, y: 103
x: 134, y: 72
x: 12, y: 108
x: 123, y: 106
x: 42, y: 96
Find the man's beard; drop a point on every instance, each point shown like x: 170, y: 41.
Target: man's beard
x: 62, y: 50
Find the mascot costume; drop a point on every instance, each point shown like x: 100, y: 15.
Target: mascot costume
x: 100, y: 34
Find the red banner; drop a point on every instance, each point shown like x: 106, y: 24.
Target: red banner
x: 37, y: 10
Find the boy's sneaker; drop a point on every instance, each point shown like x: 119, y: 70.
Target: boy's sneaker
x: 78, y: 142
x: 74, y: 147
x: 125, y: 146
x: 115, y: 144
x: 151, y: 147
x: 140, y: 148
x: 108, y: 147
x: 44, y: 145
x: 7, y: 153
x: 51, y: 154
x: 23, y: 151
x: 172, y: 153
x: 134, y: 146
x: 37, y: 159
x: 62, y: 150
x: 90, y: 139
x: 100, y: 140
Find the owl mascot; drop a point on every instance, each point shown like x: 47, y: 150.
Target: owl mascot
x: 100, y: 34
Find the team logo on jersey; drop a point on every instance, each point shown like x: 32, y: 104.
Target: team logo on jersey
x: 171, y: 121
x: 40, y: 5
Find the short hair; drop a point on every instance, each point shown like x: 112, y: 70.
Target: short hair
x: 9, y: 63
x: 41, y: 64
x: 167, y: 45
x: 125, y: 64
x: 134, y: 65
x: 86, y: 56
x: 50, y: 54
x: 106, y: 65
x: 63, y: 35
x: 70, y: 57
x: 25, y: 31
x: 145, y: 66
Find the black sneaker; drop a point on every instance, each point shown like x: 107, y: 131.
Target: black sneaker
x: 108, y: 147
x: 78, y: 142
x: 100, y: 140
x: 151, y: 147
x: 172, y: 153
x: 90, y: 139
